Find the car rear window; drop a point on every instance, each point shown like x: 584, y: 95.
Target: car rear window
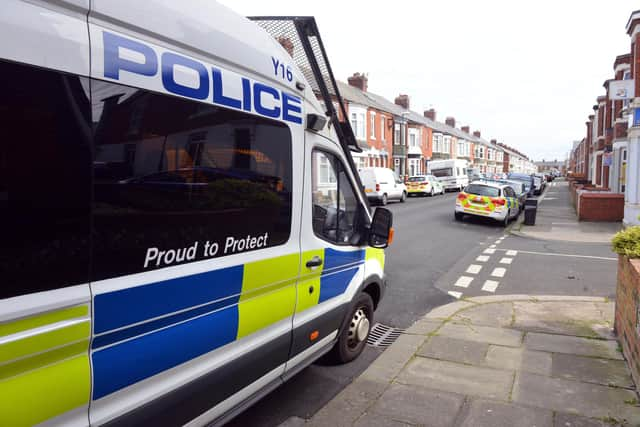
x: 482, y: 190
x: 417, y: 179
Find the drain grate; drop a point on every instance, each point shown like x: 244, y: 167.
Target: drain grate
x: 383, y: 336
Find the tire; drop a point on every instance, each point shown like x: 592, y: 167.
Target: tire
x: 353, y: 338
x: 505, y: 222
x: 384, y: 200
x: 404, y: 197
x: 458, y: 216
x: 432, y: 193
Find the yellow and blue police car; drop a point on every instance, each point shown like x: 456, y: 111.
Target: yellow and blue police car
x: 488, y: 199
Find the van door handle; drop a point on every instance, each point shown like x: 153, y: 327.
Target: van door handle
x: 316, y: 261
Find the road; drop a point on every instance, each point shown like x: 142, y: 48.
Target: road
x: 433, y: 261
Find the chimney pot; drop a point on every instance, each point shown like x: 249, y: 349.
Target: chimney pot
x: 430, y: 114
x: 403, y: 101
x: 361, y: 81
x: 465, y: 129
x: 476, y: 133
x: 450, y: 121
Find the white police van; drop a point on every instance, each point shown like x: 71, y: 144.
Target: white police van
x: 182, y: 229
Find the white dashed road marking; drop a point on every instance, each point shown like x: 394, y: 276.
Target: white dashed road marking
x: 498, y: 272
x: 492, y: 246
x: 464, y: 281
x: 512, y: 253
x: 455, y: 294
x: 490, y: 285
x: 482, y: 258
x: 489, y: 251
x: 505, y: 260
x: 474, y: 269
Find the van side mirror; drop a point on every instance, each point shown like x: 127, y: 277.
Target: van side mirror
x: 381, y: 231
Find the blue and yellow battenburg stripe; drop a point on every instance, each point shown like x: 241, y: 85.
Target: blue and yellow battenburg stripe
x: 145, y: 330
x: 44, y: 366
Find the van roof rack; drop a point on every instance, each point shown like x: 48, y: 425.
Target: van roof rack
x: 301, y: 38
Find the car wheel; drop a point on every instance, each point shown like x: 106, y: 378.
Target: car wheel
x: 458, y: 216
x: 353, y: 338
x: 384, y: 200
x: 404, y: 197
x: 505, y: 222
x: 431, y: 194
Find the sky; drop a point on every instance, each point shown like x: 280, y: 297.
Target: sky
x: 524, y: 73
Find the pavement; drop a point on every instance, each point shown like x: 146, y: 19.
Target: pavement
x: 501, y: 360
x: 556, y: 219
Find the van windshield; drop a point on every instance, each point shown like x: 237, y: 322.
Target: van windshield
x: 482, y: 190
x: 442, y: 172
x: 417, y: 178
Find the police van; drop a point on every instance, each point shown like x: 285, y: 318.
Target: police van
x: 183, y: 225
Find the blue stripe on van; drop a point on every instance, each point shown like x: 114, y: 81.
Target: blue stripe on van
x: 334, y: 284
x: 127, y: 363
x: 335, y: 259
x: 123, y: 334
x: 121, y: 308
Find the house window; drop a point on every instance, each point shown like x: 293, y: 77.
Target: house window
x: 447, y: 144
x: 383, y: 122
x: 357, y: 124
x: 412, y: 140
x: 396, y: 135
x: 437, y: 143
x: 372, y: 118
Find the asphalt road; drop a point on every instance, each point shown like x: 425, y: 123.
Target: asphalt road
x: 430, y: 254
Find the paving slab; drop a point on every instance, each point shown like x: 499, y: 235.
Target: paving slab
x: 519, y: 359
x: 417, y: 405
x: 570, y: 420
x: 589, y: 400
x: 423, y: 327
x: 377, y: 420
x: 457, y: 378
x: 388, y: 365
x: 349, y: 405
x: 454, y: 350
x: 497, y: 315
x: 293, y: 422
x: 591, y: 369
x: 560, y: 317
x: 484, y: 413
x: 486, y: 334
x: 572, y: 345
x: 446, y: 311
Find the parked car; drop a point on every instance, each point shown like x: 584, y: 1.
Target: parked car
x: 421, y: 185
x: 381, y: 185
x: 524, y: 178
x: 487, y: 199
x: 518, y: 187
x: 538, y: 184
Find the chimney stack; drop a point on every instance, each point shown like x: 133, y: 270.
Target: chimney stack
x: 494, y: 141
x: 476, y: 133
x: 287, y: 44
x: 359, y: 80
x: 403, y: 101
x: 465, y: 129
x: 430, y: 114
x: 450, y: 121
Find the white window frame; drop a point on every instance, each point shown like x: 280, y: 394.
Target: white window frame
x: 372, y: 124
x: 383, y: 123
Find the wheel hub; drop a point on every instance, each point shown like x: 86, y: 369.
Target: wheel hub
x: 359, y: 327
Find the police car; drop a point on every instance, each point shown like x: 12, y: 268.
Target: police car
x: 173, y: 245
x: 489, y: 199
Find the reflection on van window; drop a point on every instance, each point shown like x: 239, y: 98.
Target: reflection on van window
x: 172, y: 173
x: 442, y: 172
x: 45, y: 173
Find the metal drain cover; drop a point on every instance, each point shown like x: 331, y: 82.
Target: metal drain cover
x: 383, y: 336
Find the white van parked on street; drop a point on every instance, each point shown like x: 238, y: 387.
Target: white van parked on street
x: 382, y: 185
x: 452, y: 173
x: 183, y: 230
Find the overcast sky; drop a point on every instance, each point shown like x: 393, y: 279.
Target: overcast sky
x: 524, y: 73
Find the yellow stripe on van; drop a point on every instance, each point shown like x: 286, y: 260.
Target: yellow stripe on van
x: 43, y: 319
x: 309, y: 285
x: 44, y: 393
x: 268, y: 293
x: 377, y: 254
x: 45, y: 341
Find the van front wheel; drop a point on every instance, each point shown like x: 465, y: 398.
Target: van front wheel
x: 384, y: 200
x: 353, y: 338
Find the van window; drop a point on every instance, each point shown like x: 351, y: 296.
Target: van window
x: 191, y: 180
x: 335, y: 206
x: 45, y: 176
x: 442, y: 172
